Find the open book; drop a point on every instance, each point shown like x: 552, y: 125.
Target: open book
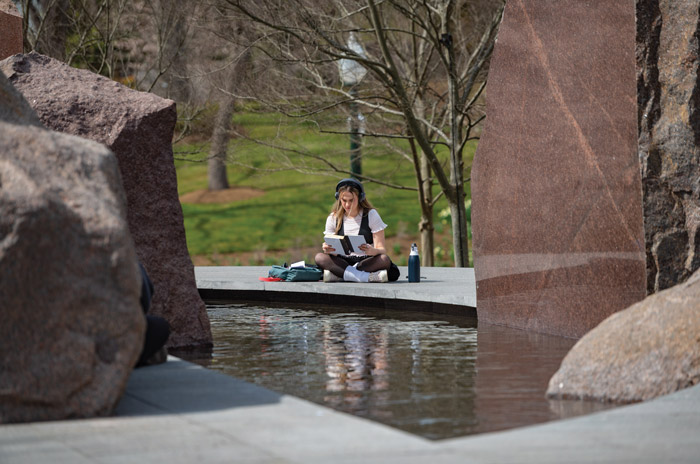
x: 346, y: 244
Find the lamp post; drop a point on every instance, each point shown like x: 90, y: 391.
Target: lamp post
x: 351, y: 73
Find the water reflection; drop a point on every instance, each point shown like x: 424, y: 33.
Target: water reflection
x: 514, y: 369
x: 413, y: 371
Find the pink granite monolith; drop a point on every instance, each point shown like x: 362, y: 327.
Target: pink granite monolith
x: 138, y: 127
x: 72, y: 325
x: 556, y: 188
x: 10, y: 29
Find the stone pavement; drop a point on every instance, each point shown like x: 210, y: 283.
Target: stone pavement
x: 440, y: 290
x: 179, y: 412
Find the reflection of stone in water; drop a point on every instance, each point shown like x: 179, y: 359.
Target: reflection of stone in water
x: 514, y: 368
x: 572, y: 408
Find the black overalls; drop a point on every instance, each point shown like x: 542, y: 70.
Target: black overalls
x: 369, y: 238
x: 364, y: 231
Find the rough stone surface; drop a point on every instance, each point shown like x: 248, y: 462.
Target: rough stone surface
x: 647, y: 350
x: 556, y: 188
x: 669, y: 137
x: 138, y: 127
x: 72, y: 327
x: 10, y: 29
x: 14, y: 109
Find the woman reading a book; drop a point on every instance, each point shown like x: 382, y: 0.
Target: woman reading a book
x: 354, y: 215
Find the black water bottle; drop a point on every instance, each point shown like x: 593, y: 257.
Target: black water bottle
x: 414, y: 264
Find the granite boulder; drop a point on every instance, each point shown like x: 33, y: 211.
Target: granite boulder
x: 72, y: 326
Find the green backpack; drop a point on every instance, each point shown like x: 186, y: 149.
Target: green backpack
x: 297, y: 274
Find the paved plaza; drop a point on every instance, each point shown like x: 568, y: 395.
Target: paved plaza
x: 178, y: 412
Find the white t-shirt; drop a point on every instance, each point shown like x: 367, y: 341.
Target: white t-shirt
x: 351, y: 226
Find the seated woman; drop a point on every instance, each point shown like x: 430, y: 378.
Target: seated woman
x: 353, y: 214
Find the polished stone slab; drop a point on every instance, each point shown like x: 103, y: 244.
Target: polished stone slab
x: 10, y: 30
x: 556, y: 189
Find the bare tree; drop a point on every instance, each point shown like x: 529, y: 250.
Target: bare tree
x: 136, y: 41
x: 74, y: 31
x: 45, y: 25
x: 426, y: 62
x: 216, y: 172
x: 221, y: 134
x: 221, y: 67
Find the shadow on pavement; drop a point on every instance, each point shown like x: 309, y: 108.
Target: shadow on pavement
x: 177, y: 387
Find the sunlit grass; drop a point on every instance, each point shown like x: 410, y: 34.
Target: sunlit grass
x: 292, y: 211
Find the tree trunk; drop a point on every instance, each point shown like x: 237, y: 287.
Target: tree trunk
x: 457, y: 207
x: 178, y: 86
x: 426, y: 226
x: 459, y: 231
x: 427, y: 242
x: 219, y: 145
x: 221, y: 135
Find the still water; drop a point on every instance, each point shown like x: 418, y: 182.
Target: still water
x: 432, y: 375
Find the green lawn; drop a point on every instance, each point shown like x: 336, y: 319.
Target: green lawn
x: 292, y: 212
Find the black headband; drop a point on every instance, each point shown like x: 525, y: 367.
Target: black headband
x: 353, y: 183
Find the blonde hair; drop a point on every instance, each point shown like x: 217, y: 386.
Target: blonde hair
x: 338, y: 211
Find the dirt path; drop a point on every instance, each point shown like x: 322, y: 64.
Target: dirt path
x: 221, y: 196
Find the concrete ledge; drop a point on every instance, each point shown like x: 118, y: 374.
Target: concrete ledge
x: 442, y: 290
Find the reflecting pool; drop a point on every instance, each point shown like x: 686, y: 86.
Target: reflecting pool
x: 433, y: 375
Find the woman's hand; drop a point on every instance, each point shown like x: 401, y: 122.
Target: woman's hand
x: 370, y: 250
x: 327, y: 248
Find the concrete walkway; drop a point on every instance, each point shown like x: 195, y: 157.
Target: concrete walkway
x: 440, y: 290
x: 182, y: 413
